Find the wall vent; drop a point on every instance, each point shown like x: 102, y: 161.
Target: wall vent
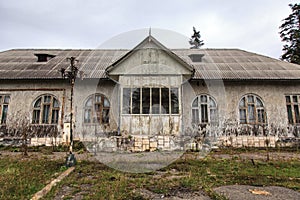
x: 196, y: 57
x: 43, y: 57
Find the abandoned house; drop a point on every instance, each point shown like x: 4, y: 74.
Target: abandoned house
x: 150, y: 94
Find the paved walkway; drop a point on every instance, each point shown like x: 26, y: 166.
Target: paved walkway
x: 247, y: 192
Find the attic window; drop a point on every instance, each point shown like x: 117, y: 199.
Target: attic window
x: 43, y: 57
x: 196, y: 57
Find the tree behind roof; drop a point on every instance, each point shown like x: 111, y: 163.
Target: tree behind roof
x: 195, y: 40
x: 290, y: 34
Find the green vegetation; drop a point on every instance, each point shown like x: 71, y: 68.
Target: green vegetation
x: 21, y: 177
x: 96, y: 181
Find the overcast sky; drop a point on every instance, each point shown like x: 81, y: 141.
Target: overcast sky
x: 250, y: 25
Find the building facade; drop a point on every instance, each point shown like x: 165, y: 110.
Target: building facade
x: 150, y: 97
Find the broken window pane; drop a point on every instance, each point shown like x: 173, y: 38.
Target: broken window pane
x: 165, y: 101
x: 126, y: 101
x: 4, y: 114
x: 174, y: 101
x: 296, y: 110
x: 204, y: 114
x: 155, y: 100
x: 136, y: 100
x: 146, y: 100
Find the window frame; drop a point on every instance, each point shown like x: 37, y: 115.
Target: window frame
x: 161, y: 112
x: 4, y: 104
x: 52, y: 108
x: 96, y: 117
x: 199, y: 107
x: 294, y: 120
x: 259, y: 112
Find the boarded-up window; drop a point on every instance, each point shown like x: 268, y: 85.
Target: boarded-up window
x: 251, y: 109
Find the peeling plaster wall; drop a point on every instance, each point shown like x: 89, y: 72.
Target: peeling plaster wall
x: 23, y: 94
x: 228, y: 94
x: 87, y: 87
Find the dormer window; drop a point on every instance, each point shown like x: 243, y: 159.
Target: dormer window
x: 43, y: 57
x: 196, y: 57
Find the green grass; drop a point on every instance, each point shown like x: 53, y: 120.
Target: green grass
x: 21, y: 177
x: 106, y: 183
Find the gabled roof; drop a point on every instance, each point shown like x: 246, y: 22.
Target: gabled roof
x: 230, y: 64
x: 144, y: 45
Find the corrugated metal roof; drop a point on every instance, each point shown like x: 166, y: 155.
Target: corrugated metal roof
x: 216, y: 64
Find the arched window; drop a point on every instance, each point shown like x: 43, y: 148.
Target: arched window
x: 45, y: 110
x: 251, y: 109
x: 204, y: 110
x: 96, y: 109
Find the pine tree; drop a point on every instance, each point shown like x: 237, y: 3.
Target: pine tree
x: 290, y: 34
x: 195, y: 40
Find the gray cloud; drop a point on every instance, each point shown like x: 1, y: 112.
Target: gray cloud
x: 250, y: 25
